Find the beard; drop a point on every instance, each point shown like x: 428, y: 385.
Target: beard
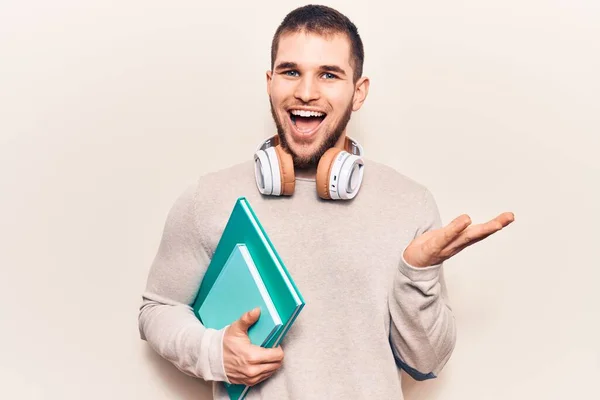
x: 331, y: 138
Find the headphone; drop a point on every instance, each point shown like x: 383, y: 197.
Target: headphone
x: 339, y: 172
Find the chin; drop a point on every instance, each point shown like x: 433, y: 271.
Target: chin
x: 307, y: 157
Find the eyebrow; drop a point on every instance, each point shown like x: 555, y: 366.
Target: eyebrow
x: 286, y: 65
x: 293, y: 65
x: 333, y: 68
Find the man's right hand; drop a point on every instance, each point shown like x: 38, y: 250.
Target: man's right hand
x: 246, y: 363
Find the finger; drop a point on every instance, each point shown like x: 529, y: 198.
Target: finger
x: 265, y: 373
x: 253, y: 374
x: 262, y: 377
x: 253, y: 371
x: 458, y: 248
x: 477, y: 233
x: 261, y: 355
x: 505, y: 218
x: 248, y: 319
x: 268, y: 368
x: 452, y: 231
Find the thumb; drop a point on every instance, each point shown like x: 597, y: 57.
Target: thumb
x: 248, y: 319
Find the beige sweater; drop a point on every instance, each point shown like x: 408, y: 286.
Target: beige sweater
x: 367, y: 312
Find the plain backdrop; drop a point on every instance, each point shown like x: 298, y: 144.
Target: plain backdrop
x: 109, y: 109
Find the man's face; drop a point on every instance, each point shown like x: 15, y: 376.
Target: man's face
x: 312, y: 93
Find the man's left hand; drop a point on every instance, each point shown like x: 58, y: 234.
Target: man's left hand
x: 436, y: 246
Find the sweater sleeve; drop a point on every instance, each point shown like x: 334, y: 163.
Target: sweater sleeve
x: 422, y: 325
x: 166, y: 319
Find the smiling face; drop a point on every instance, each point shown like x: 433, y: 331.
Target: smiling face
x: 312, y: 94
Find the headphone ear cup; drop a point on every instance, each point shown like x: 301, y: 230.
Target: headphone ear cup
x: 324, y: 171
x: 274, y: 165
x: 262, y: 173
x: 349, y: 170
x: 286, y: 171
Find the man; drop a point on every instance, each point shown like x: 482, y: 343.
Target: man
x: 369, y: 266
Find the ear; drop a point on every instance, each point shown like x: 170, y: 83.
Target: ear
x: 361, y: 90
x: 269, y: 79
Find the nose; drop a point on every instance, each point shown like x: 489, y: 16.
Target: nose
x: 307, y: 89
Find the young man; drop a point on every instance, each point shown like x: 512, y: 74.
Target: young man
x: 367, y: 255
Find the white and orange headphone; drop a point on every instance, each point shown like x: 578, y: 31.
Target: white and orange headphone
x: 339, y: 172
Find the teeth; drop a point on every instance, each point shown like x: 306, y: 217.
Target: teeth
x: 304, y: 113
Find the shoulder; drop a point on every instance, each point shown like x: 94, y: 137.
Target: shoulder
x: 212, y: 189
x: 206, y: 202
x: 225, y: 184
x: 216, y: 182
x: 214, y: 193
x: 399, y: 196
x: 385, y: 178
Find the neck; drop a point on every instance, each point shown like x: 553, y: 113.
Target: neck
x: 311, y: 172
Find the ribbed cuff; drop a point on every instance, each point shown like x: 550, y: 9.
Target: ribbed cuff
x: 211, y: 355
x: 418, y: 274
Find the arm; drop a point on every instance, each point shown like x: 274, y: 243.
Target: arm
x: 166, y: 319
x: 422, y: 326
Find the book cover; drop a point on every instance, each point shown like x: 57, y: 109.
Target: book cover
x: 238, y: 289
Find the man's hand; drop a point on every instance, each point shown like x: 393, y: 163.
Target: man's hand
x: 436, y: 246
x: 246, y: 363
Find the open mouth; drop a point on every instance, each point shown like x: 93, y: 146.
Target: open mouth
x: 306, y: 122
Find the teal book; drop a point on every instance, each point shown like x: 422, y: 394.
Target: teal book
x: 238, y: 289
x: 244, y: 227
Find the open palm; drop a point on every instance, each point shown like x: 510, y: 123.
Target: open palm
x: 436, y: 246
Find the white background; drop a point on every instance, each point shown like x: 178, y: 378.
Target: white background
x: 108, y: 109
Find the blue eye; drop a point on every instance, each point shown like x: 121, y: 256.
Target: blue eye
x: 329, y: 75
x: 291, y: 73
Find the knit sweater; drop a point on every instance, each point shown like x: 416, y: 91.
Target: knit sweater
x: 368, y: 313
